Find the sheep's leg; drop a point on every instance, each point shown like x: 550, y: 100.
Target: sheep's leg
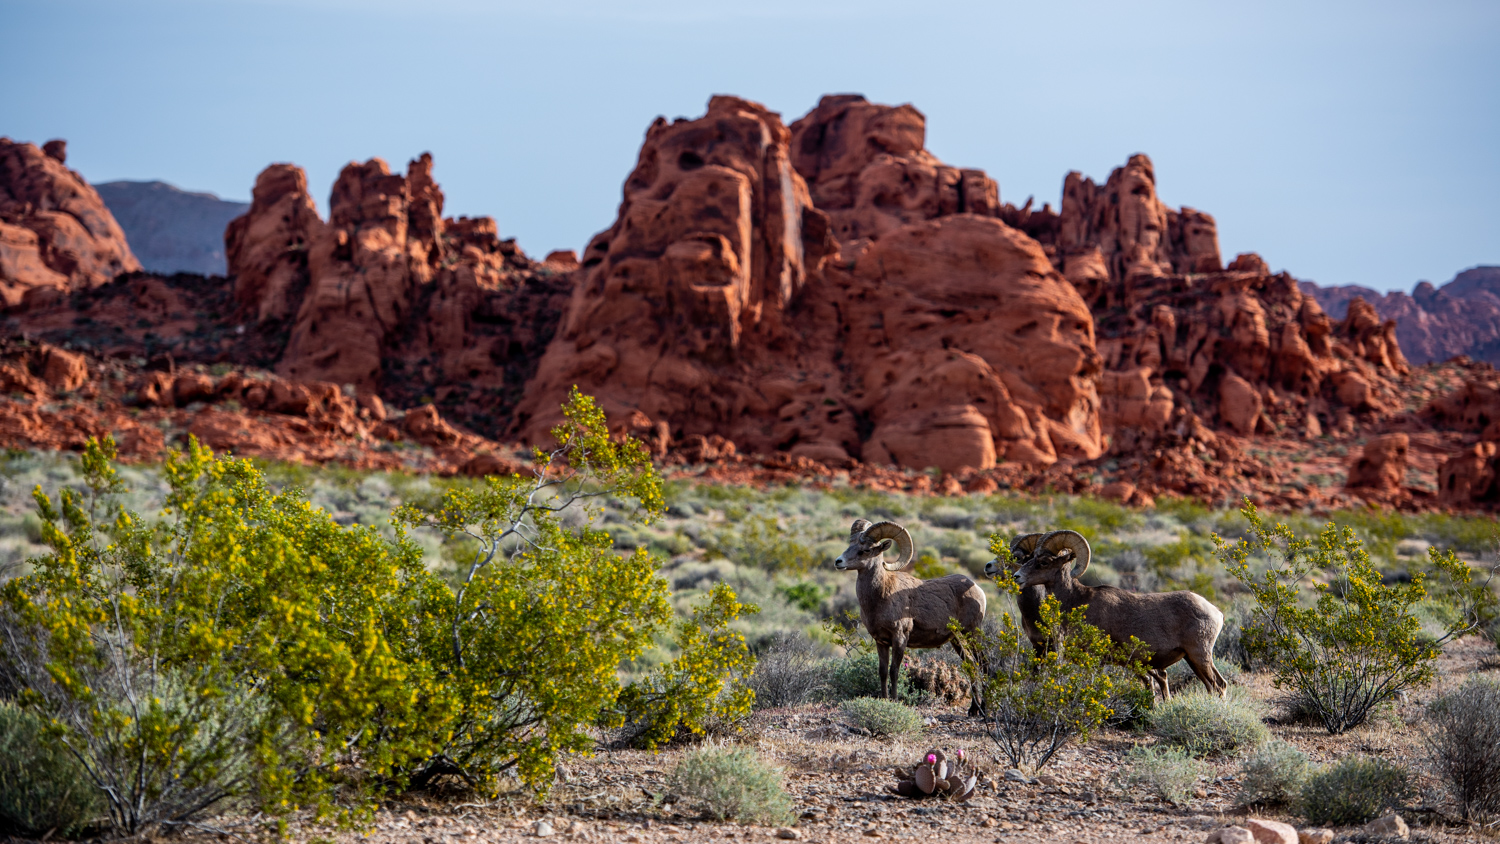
x: 1203, y: 666
x: 898, y: 653
x: 885, y: 659
x: 976, y: 691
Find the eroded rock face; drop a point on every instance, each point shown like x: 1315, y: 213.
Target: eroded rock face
x: 1433, y: 323
x: 388, y: 297
x: 55, y: 232
x: 900, y: 321
x: 1120, y: 231
x: 1380, y: 470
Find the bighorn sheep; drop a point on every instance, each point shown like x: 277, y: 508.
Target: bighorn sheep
x: 1174, y: 625
x: 901, y: 611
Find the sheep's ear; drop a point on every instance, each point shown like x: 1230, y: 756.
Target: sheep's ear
x: 883, y: 546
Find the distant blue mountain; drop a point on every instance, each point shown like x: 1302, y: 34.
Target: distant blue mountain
x: 172, y: 230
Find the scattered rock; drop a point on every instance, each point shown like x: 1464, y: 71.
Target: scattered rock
x: 1389, y: 826
x: 1271, y: 832
x: 1230, y: 835
x: 788, y: 833
x: 542, y: 829
x: 1015, y: 775
x: 1316, y: 835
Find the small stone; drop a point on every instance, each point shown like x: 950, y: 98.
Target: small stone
x: 987, y: 823
x: 1390, y: 826
x: 1316, y: 835
x: 1015, y: 775
x: 1089, y: 797
x: 1230, y: 835
x: 1271, y: 832
x: 1048, y: 780
x: 1200, y: 793
x: 788, y: 833
x: 575, y: 828
x: 542, y: 829
x: 666, y: 808
x: 872, y: 832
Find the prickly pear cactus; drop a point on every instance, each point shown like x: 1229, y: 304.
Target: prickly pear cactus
x: 936, y: 776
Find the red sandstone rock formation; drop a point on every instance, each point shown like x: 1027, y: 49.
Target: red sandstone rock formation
x: 67, y: 397
x: 712, y: 305
x: 1433, y: 324
x: 1380, y: 471
x: 55, y: 233
x: 1121, y: 231
x: 389, y: 297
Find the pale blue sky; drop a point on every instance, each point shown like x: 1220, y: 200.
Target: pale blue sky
x: 1349, y: 143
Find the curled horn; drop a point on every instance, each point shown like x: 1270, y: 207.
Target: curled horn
x: 1072, y: 540
x: 893, y: 531
x: 859, y: 527
x: 1022, y: 547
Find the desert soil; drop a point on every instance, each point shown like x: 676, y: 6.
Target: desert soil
x: 839, y: 781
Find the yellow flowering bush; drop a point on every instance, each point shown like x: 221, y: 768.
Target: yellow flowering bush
x: 1036, y: 700
x: 1357, y: 643
x: 231, y: 649
x: 244, y: 650
x: 526, y: 648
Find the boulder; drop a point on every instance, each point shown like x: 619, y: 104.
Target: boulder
x: 1381, y: 467
x: 1315, y: 835
x: 1230, y: 835
x: 1388, y: 826
x: 55, y: 231
x: 1271, y: 832
x: 63, y: 371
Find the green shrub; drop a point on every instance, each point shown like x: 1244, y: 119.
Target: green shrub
x: 1463, y: 741
x: 1035, y: 704
x: 1354, y: 790
x: 42, y: 787
x: 882, y: 717
x: 246, y: 650
x: 858, y: 675
x: 729, y: 784
x: 1360, y: 643
x: 1167, y: 773
x: 1272, y: 775
x: 1208, y: 725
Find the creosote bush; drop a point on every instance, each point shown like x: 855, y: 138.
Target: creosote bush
x: 1360, y: 643
x: 1035, y: 703
x: 244, y: 650
x: 1207, y: 725
x: 1272, y: 775
x: 730, y: 784
x: 1167, y: 773
x: 42, y: 787
x: 882, y: 717
x: 1463, y: 742
x: 1354, y: 791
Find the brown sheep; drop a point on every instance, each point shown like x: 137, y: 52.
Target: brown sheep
x: 901, y: 611
x: 1174, y: 625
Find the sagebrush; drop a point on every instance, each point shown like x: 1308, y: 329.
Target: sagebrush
x: 42, y: 787
x: 1354, y: 790
x: 1272, y: 775
x: 1167, y: 773
x: 882, y: 717
x: 730, y: 784
x: 1208, y: 725
x: 1462, y: 733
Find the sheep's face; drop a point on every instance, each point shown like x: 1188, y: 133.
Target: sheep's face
x: 1044, y: 569
x: 862, y: 552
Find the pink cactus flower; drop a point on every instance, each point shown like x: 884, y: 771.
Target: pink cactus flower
x: 960, y: 754
x: 931, y: 759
